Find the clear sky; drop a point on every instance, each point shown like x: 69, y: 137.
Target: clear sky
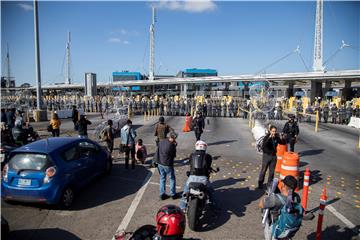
x: 232, y: 37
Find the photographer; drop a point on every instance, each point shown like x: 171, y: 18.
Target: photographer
x: 270, y: 142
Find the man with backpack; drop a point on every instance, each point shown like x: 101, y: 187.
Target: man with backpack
x: 128, y: 136
x: 108, y: 135
x: 161, y: 130
x: 286, y: 212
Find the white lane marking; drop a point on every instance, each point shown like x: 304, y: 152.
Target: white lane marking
x: 341, y: 217
x: 126, y: 220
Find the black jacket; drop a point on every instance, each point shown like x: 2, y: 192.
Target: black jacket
x: 198, y: 123
x: 200, y: 163
x: 75, y: 115
x: 82, y: 126
x: 291, y: 129
x: 270, y: 144
x: 166, y: 152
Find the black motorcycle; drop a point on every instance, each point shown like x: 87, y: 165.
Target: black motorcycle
x: 196, y: 198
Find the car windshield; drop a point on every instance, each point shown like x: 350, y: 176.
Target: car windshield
x: 29, y: 161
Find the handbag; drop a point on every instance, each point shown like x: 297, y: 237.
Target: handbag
x: 49, y: 128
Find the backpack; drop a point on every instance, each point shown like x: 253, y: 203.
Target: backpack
x: 104, y: 134
x: 288, y: 223
x: 139, y: 153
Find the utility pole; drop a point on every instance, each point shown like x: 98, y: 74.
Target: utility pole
x: 152, y: 45
x: 37, y: 56
x: 8, y: 80
x: 318, y: 41
x: 68, y: 79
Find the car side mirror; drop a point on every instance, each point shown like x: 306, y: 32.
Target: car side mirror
x: 187, y: 173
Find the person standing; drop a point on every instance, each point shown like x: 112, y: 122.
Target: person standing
x: 75, y: 116
x: 270, y: 142
x: 161, y: 130
x: 55, y: 125
x: 82, y: 126
x: 110, y: 136
x: 166, y: 154
x: 291, y: 130
x: 198, y: 125
x: 334, y: 112
x: 10, y: 118
x: 326, y: 111
x: 3, y: 116
x: 348, y: 113
x: 128, y: 135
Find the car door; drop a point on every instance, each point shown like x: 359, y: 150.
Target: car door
x: 89, y: 154
x: 76, y: 167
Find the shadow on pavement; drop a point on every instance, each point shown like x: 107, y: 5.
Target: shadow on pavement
x: 121, y: 183
x: 311, y: 152
x: 336, y: 232
x: 42, y: 234
x: 226, y: 182
x: 314, y: 210
x: 244, y: 196
x: 222, y: 142
x: 315, y: 177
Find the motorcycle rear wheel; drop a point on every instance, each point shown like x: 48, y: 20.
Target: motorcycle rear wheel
x: 193, y: 213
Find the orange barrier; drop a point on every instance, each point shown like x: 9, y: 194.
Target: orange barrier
x: 289, y: 166
x: 280, y: 150
x: 188, y: 120
x: 323, y: 199
x: 305, y: 189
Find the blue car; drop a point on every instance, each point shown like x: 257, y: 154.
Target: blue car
x: 51, y: 170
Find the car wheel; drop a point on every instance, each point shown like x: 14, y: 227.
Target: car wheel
x: 108, y: 167
x: 67, y: 198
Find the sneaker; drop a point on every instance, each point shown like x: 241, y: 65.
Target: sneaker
x: 164, y: 196
x: 174, y: 197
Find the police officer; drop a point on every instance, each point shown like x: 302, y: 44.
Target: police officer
x: 200, y: 168
x: 326, y: 111
x: 342, y: 114
x: 348, y: 113
x: 291, y: 129
x: 231, y: 108
x: 334, y: 112
x: 209, y: 108
x: 356, y: 111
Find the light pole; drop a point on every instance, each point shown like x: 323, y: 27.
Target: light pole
x: 37, y: 56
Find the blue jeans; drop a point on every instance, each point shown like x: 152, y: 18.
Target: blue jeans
x: 164, y: 171
x: 199, y: 179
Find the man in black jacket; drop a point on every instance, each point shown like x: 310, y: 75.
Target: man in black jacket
x: 166, y: 154
x: 291, y: 131
x: 75, y: 116
x: 270, y: 142
x: 198, y: 125
x: 82, y: 126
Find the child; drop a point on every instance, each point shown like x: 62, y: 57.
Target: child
x: 140, y: 151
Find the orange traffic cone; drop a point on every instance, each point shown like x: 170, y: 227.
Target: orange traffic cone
x: 188, y: 120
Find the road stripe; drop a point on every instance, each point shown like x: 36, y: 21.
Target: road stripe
x: 341, y: 217
x: 126, y: 220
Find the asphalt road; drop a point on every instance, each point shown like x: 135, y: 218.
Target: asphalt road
x: 105, y: 204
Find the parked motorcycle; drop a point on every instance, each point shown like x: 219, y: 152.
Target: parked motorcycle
x: 196, y: 198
